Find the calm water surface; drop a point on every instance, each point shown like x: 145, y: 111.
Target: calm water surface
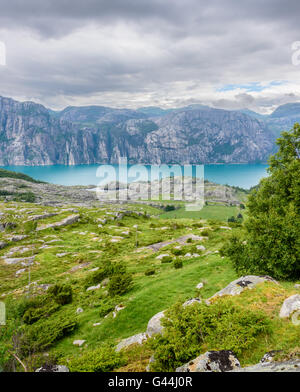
x: 242, y: 175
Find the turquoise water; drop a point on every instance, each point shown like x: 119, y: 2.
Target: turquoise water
x: 242, y: 175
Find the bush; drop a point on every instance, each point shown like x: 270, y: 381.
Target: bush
x: 106, y: 306
x: 28, y: 197
x: 40, y: 310
x: 166, y: 259
x: 96, y: 277
x: 197, y: 328
x: 150, y: 271
x: 29, y: 227
x: 61, y: 293
x: 104, y: 359
x: 120, y: 282
x: 178, y: 264
x: 43, y: 334
x: 178, y: 252
x: 205, y: 233
x: 231, y: 219
x: 169, y: 208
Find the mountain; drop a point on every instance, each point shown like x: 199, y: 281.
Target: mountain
x: 30, y: 134
x: 287, y: 110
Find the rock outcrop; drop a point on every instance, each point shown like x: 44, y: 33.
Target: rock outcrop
x: 33, y: 135
x: 212, y: 361
x: 289, y: 306
x: 239, y: 285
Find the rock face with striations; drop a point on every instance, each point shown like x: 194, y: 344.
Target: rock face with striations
x: 30, y: 134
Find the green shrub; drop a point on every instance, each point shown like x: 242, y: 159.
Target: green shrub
x: 166, y: 259
x: 96, y: 277
x: 106, y: 305
x: 28, y: 197
x: 178, y: 252
x: 205, y: 233
x: 40, y: 310
x: 120, y: 282
x: 178, y: 264
x: 197, y: 328
x: 150, y: 271
x: 61, y: 293
x: 104, y: 359
x: 169, y: 208
x: 29, y: 227
x: 198, y: 224
x: 231, y: 219
x: 44, y: 333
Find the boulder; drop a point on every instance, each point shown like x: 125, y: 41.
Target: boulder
x: 192, y: 301
x: 269, y: 357
x: 135, y: 339
x: 78, y: 342
x: 159, y: 257
x: 286, y: 366
x: 53, y: 368
x: 3, y: 244
x: 212, y: 361
x: 289, y: 306
x: 94, y: 287
x: 154, y: 326
x: 239, y: 285
x: 199, y: 286
x: 23, y: 260
x: 65, y: 222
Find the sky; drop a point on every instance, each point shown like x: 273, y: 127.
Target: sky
x: 170, y: 53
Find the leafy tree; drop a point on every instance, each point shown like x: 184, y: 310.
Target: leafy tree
x: 270, y: 243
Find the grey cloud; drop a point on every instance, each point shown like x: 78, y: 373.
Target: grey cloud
x: 175, y: 51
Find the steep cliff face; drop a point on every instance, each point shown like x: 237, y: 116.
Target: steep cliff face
x: 32, y: 135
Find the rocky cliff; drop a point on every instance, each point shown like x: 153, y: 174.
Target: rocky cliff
x: 30, y: 134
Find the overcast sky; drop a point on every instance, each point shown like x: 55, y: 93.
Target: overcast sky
x: 170, y: 53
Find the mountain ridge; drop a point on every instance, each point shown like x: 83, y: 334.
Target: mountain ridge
x: 31, y: 134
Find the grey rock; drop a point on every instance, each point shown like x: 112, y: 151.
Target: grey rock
x: 199, y: 286
x: 53, y: 368
x: 17, y: 260
x: 269, y: 357
x: 94, y: 287
x: 239, y: 285
x: 289, y: 306
x: 3, y: 244
x: 140, y: 338
x: 65, y: 222
x: 154, y: 326
x: 297, y: 286
x: 79, y: 310
x: 78, y: 342
x: 271, y: 367
x: 192, y: 301
x: 212, y: 361
x: 201, y: 134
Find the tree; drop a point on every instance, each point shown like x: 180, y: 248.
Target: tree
x: 270, y: 242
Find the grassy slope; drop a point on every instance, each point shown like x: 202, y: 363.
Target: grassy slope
x: 86, y: 242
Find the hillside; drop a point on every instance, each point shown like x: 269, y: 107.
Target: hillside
x: 30, y: 134
x: 95, y: 273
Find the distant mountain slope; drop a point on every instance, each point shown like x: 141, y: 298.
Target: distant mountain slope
x: 30, y: 134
